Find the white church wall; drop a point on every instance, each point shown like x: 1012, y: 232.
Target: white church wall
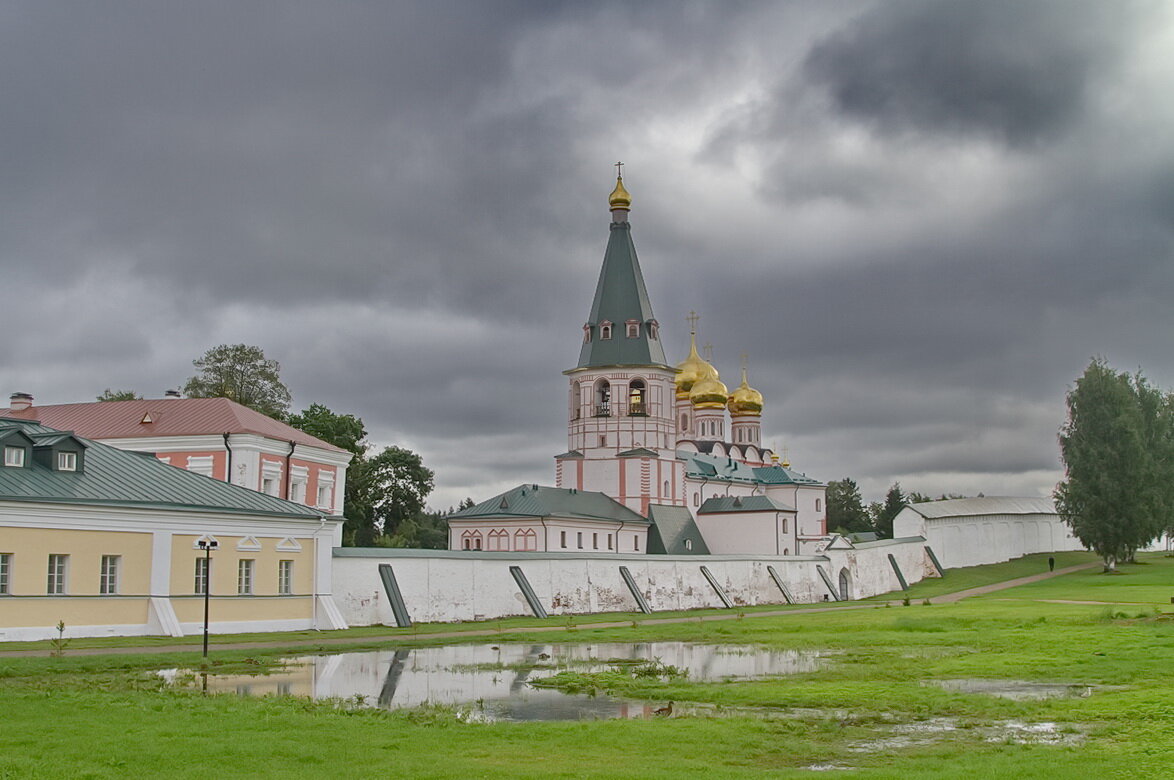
x: 444, y: 586
x: 732, y: 533
x: 974, y: 540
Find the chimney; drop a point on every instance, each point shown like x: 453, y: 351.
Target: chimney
x: 18, y: 402
x: 172, y: 394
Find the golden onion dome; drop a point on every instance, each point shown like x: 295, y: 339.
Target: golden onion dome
x: 619, y: 198
x: 690, y: 370
x: 708, y: 392
x: 745, y: 401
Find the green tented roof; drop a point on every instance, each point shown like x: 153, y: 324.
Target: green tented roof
x: 700, y: 465
x: 671, y: 527
x: 114, y: 477
x: 620, y: 296
x: 542, y: 501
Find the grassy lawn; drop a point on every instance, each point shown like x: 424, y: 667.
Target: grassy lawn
x: 873, y: 711
x: 977, y: 576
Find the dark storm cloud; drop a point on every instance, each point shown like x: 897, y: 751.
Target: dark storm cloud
x: 1018, y: 71
x: 919, y: 219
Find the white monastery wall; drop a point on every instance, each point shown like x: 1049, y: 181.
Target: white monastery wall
x: 979, y: 539
x: 445, y: 586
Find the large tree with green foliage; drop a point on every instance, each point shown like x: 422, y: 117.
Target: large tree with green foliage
x: 341, y: 430
x: 1116, y: 446
x: 882, y: 521
x: 845, y: 505
x: 242, y: 373
x: 119, y: 395
x: 390, y: 488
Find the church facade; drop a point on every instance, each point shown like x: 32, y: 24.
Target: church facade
x: 668, y: 445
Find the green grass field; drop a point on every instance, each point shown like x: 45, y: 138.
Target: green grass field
x: 873, y: 711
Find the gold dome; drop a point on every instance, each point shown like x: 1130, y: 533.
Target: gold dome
x: 745, y: 401
x: 619, y: 198
x: 691, y: 370
x: 708, y: 392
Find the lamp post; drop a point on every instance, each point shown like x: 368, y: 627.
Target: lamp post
x: 207, y: 545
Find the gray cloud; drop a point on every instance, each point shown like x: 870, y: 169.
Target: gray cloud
x: 919, y: 219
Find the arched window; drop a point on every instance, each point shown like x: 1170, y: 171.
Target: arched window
x: 696, y: 499
x: 666, y: 488
x: 633, y: 328
x: 786, y: 551
x: 605, y: 331
x: 471, y: 540
x: 602, y: 398
x: 688, y: 544
x: 653, y: 329
x: 636, y: 395
x: 817, y: 505
x: 526, y: 540
x: 587, y: 333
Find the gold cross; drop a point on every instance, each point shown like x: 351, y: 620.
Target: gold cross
x: 619, y: 170
x: 692, y: 319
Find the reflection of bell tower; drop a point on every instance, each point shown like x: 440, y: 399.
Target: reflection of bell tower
x: 621, y: 433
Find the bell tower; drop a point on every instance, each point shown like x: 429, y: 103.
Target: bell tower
x: 621, y: 433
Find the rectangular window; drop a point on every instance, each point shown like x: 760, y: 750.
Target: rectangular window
x: 595, y: 541
x: 324, y: 494
x: 244, y: 577
x: 108, y: 578
x: 269, y: 486
x: 14, y: 456
x: 202, y: 565
x: 579, y: 539
x: 58, y: 566
x: 609, y: 541
x: 562, y: 536
x: 285, y: 577
x: 636, y: 543
x: 67, y: 461
x: 5, y: 574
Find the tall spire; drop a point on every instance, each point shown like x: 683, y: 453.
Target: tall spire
x: 621, y: 329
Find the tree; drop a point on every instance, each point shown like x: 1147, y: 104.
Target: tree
x: 1116, y: 448
x: 846, y: 512
x: 390, y: 489
x: 242, y: 373
x: 341, y: 430
x: 882, y: 521
x: 119, y: 395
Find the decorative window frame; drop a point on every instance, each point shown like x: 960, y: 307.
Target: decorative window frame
x: 248, y: 544
x: 205, y: 538
x: 201, y: 464
x: 605, y: 330
x: 289, y: 544
x: 632, y: 329
x: 14, y: 457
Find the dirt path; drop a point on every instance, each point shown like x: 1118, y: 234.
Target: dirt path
x: 403, y: 635
x: 950, y: 598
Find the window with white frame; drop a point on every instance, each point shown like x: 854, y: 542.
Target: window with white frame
x: 325, y: 497
x: 579, y: 539
x: 5, y: 574
x: 605, y: 331
x: 67, y: 461
x: 526, y: 540
x: 594, y: 541
x: 108, y: 575
x: 201, y: 464
x: 609, y: 542
x: 202, y: 568
x: 58, y: 573
x: 633, y: 327
x: 14, y: 456
x: 562, y: 539
x: 285, y: 577
x: 244, y: 576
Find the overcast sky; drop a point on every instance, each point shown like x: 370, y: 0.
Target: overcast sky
x: 919, y: 219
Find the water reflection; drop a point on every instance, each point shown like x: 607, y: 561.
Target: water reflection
x: 492, y: 682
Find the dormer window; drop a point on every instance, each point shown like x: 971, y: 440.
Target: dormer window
x: 67, y: 461
x: 633, y: 329
x: 653, y: 330
x: 587, y: 333
x: 605, y: 331
x: 14, y: 456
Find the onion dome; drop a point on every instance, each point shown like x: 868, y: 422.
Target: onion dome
x: 691, y: 370
x: 745, y: 401
x: 619, y: 198
x: 708, y: 392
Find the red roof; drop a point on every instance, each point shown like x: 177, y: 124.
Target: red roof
x: 168, y: 417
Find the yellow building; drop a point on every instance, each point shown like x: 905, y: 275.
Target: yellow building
x: 113, y: 543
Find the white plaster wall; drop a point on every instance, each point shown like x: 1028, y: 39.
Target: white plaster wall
x: 444, y: 586
x: 981, y: 539
x: 733, y: 533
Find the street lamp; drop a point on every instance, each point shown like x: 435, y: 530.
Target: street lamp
x: 207, y: 545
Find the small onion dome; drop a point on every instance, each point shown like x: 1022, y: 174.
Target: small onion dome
x: 708, y: 392
x: 619, y: 198
x: 745, y: 401
x: 691, y: 370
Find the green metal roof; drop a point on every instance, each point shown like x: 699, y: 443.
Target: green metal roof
x: 671, y: 527
x: 780, y: 475
x: 699, y: 465
x: 639, y: 452
x: 620, y: 296
x: 723, y: 504
x: 114, y: 477
x: 542, y: 501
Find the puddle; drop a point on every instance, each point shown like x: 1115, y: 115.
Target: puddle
x: 935, y: 730
x: 1016, y: 690
x: 492, y: 682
